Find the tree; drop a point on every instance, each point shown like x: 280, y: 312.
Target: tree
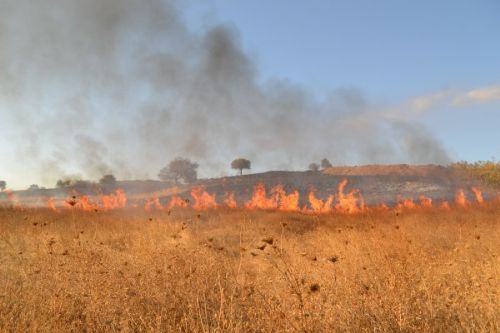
x: 63, y: 183
x: 107, y: 180
x: 314, y: 167
x: 325, y: 163
x: 3, y: 185
x: 33, y: 187
x: 180, y: 168
x: 240, y: 164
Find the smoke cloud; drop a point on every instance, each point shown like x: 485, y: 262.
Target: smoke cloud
x: 96, y: 86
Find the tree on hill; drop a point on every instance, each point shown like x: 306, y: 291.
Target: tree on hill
x: 325, y: 163
x: 107, y: 180
x: 63, y: 183
x: 240, y: 164
x: 3, y: 185
x: 179, y: 169
x: 313, y: 167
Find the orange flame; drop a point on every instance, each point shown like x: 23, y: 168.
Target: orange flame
x: 425, y: 202
x: 445, y: 205
x: 153, y: 203
x: 478, y: 194
x: 51, y: 204
x: 285, y: 202
x: 318, y: 205
x: 230, y: 201
x: 461, y: 199
x: 351, y: 203
x: 114, y: 201
x: 202, y: 199
x: 259, y: 199
x: 178, y: 202
x: 406, y: 203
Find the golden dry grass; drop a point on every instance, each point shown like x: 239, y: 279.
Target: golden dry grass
x: 240, y: 271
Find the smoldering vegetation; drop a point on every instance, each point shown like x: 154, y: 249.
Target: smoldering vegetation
x: 90, y: 87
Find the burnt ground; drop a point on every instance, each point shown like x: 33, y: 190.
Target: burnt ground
x: 377, y: 183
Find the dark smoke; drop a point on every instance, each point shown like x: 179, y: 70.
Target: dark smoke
x: 97, y: 86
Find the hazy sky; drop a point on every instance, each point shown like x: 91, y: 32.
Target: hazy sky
x: 123, y: 86
x: 393, y: 51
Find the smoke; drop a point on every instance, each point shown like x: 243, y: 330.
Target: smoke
x: 96, y: 86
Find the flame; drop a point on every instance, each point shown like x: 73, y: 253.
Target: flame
x: 445, y: 205
x: 478, y: 194
x: 284, y: 201
x: 351, y: 203
x: 178, y: 202
x: 230, y: 201
x: 318, y: 205
x: 106, y: 202
x: 425, y: 202
x: 114, y: 201
x: 51, y: 204
x: 259, y: 199
x: 277, y: 198
x: 87, y: 205
x: 153, y: 203
x: 406, y: 203
x: 12, y: 197
x: 461, y: 199
x: 202, y: 199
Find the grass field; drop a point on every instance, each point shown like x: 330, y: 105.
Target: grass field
x: 250, y: 271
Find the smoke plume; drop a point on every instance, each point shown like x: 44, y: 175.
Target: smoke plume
x: 96, y: 86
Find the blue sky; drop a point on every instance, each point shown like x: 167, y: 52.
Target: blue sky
x: 393, y: 51
x: 120, y: 86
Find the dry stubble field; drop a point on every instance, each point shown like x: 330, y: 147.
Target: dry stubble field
x: 250, y: 271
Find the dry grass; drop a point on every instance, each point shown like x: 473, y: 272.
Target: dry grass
x: 244, y: 271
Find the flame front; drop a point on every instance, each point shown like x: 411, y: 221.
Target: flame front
x: 461, y: 199
x: 277, y: 198
x: 202, y: 199
x: 478, y: 194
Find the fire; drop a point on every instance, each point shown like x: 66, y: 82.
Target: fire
x: 51, y: 204
x: 178, y: 202
x: 230, y: 201
x: 259, y: 199
x: 153, y: 203
x: 202, y: 199
x: 87, y: 205
x: 284, y: 201
x: 114, y: 201
x: 105, y: 202
x: 318, y: 205
x: 425, y: 202
x: 461, y: 199
x: 406, y: 203
x: 445, y: 205
x: 353, y: 202
x: 11, y: 196
x: 277, y: 198
x: 478, y: 194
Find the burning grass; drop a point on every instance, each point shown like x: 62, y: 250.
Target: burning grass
x: 246, y: 270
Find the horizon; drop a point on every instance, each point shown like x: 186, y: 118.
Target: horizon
x: 90, y: 89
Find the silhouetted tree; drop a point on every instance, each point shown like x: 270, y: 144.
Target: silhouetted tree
x: 33, y: 187
x: 63, y: 183
x: 325, y: 163
x: 313, y: 167
x: 240, y: 164
x: 180, y: 168
x: 3, y: 185
x: 107, y: 180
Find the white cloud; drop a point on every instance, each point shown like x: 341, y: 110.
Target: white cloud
x: 478, y: 96
x: 455, y: 98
